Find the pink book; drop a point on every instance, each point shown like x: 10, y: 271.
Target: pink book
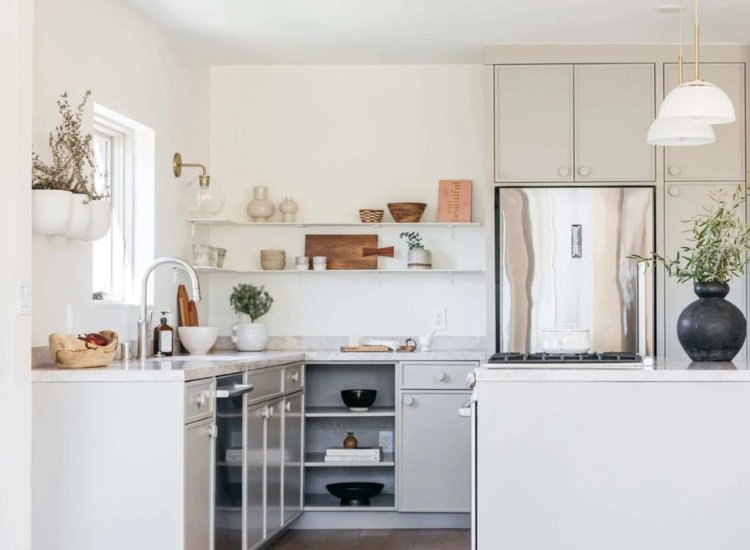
x: 454, y: 201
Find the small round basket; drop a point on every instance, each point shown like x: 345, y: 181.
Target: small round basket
x: 371, y: 216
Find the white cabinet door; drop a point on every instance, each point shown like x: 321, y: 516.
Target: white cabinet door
x: 614, y: 107
x: 683, y: 201
x: 435, y: 454
x: 198, y: 486
x: 725, y: 159
x: 533, y: 123
x: 292, y: 456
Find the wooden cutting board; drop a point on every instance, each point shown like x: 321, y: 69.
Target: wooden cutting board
x: 343, y: 251
x: 361, y: 349
x: 183, y: 305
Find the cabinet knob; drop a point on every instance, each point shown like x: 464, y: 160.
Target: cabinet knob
x: 439, y: 377
x: 408, y: 400
x: 294, y: 377
x: 674, y: 170
x: 563, y: 171
x: 200, y: 399
x: 584, y: 171
x: 674, y: 191
x: 288, y: 406
x: 266, y: 413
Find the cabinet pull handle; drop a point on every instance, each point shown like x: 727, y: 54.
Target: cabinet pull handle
x: 294, y: 377
x: 200, y: 399
x: 674, y: 191
x: 408, y: 400
x: 239, y: 389
x: 563, y: 171
x: 439, y: 377
x: 584, y: 171
x: 288, y: 406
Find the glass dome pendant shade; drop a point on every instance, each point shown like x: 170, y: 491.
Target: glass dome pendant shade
x: 700, y: 102
x: 677, y: 132
x: 203, y: 199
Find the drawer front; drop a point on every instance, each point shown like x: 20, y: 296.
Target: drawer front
x: 293, y: 378
x: 429, y: 376
x: 266, y: 382
x: 199, y: 400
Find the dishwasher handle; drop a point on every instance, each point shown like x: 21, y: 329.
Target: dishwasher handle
x: 465, y: 410
x: 238, y: 390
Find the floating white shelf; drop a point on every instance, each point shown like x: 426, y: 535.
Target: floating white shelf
x: 273, y: 271
x: 333, y: 412
x: 329, y: 503
x: 225, y: 222
x: 317, y: 460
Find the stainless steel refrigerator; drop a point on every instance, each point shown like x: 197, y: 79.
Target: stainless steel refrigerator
x: 562, y: 261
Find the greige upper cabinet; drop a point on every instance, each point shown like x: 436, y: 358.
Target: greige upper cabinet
x: 533, y: 123
x: 725, y: 159
x: 569, y: 123
x: 614, y: 106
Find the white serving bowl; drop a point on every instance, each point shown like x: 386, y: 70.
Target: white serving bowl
x: 566, y: 340
x: 198, y: 339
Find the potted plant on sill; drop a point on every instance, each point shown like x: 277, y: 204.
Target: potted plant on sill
x: 250, y: 302
x: 61, y: 187
x: 418, y: 257
x: 711, y: 328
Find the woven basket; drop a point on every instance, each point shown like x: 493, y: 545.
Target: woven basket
x: 70, y: 352
x: 371, y: 216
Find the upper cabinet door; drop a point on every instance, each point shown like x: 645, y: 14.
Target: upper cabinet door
x: 725, y: 159
x: 614, y: 106
x: 533, y: 123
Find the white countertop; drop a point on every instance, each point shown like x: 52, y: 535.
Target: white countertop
x: 185, y: 368
x: 664, y: 370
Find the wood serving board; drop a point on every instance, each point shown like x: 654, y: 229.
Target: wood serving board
x: 357, y: 349
x: 343, y: 251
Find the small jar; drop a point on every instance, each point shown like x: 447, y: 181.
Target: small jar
x: 350, y: 442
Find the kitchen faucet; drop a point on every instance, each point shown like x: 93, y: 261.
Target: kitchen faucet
x: 142, y: 322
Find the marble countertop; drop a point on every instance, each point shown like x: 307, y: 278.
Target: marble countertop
x: 185, y: 368
x: 663, y: 370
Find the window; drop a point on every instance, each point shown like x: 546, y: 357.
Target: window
x: 124, y: 156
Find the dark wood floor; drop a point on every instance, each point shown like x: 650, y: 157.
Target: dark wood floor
x: 375, y: 539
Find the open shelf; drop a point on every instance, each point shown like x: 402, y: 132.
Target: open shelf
x: 203, y: 269
x: 329, y: 503
x: 225, y: 222
x: 334, y: 412
x: 317, y: 460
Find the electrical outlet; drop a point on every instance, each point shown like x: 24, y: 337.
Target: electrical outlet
x: 386, y: 441
x: 438, y: 319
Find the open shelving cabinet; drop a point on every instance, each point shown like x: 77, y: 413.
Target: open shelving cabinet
x: 325, y: 409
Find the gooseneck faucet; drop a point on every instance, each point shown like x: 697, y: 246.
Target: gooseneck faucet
x: 142, y: 322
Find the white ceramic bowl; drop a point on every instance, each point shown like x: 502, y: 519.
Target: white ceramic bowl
x: 566, y: 340
x: 198, y: 339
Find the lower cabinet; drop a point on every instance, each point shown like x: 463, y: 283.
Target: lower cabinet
x: 254, y: 475
x: 199, y: 443
x: 292, y: 459
x: 274, y: 449
x: 435, y: 471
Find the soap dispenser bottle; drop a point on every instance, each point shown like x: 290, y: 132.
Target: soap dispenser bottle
x: 163, y: 338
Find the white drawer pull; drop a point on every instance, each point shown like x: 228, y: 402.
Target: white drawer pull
x: 200, y: 399
x: 584, y: 171
x: 288, y: 406
x: 439, y: 377
x: 674, y: 170
x: 408, y: 400
x: 294, y: 377
x: 563, y: 171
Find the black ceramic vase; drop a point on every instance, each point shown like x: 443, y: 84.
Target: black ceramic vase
x: 711, y: 328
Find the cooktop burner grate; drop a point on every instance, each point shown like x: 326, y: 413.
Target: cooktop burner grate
x: 605, y: 357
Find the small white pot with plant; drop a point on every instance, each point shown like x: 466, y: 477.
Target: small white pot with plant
x: 418, y: 257
x: 250, y: 302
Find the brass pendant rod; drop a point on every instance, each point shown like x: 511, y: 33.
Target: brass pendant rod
x: 697, y: 42
x: 679, y: 55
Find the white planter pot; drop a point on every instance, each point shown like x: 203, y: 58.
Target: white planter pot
x: 249, y: 336
x: 80, y: 217
x: 419, y: 258
x: 50, y: 211
x: 101, y: 219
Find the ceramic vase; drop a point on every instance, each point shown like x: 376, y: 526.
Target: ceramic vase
x: 288, y: 209
x: 711, y: 328
x: 419, y: 258
x: 350, y: 442
x: 260, y: 208
x: 249, y: 336
x: 101, y: 219
x: 50, y: 211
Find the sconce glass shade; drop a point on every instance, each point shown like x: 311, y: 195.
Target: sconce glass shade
x: 203, y: 200
x: 678, y: 132
x: 699, y: 101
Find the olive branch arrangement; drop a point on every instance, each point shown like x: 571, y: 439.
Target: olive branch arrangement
x: 250, y: 300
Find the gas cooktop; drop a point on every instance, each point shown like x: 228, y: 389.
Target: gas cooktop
x: 611, y: 359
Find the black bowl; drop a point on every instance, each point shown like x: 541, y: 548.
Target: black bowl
x: 355, y: 493
x: 359, y: 400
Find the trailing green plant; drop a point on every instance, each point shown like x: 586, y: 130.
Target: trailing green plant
x: 718, y: 245
x: 413, y: 239
x: 250, y: 300
x: 72, y: 165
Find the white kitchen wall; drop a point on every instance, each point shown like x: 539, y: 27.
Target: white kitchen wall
x: 15, y: 227
x: 336, y: 139
x: 131, y: 67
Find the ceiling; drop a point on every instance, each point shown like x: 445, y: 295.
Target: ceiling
x: 422, y: 31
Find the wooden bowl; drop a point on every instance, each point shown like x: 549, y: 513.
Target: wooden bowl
x: 371, y: 216
x: 406, y: 212
x: 70, y: 352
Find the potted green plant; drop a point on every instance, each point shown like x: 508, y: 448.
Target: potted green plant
x: 250, y: 302
x: 418, y: 256
x: 711, y: 328
x: 60, y: 187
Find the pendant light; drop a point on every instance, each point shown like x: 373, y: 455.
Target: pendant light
x: 677, y: 132
x: 203, y: 199
x: 698, y: 100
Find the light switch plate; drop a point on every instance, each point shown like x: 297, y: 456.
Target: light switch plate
x: 23, y: 297
x: 438, y: 318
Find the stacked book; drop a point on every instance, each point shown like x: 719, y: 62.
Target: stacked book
x: 360, y: 454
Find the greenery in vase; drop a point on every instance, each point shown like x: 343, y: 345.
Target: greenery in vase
x: 72, y: 161
x: 718, y: 245
x: 413, y: 239
x: 250, y: 300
